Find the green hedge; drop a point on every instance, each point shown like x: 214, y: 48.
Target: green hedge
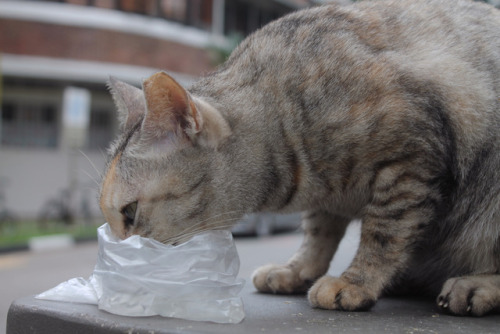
x: 18, y: 233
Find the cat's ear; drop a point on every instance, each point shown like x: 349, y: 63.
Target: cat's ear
x: 173, y: 118
x: 129, y: 101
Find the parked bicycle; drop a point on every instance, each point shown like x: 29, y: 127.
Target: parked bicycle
x: 57, y: 209
x: 7, y: 218
x: 67, y: 206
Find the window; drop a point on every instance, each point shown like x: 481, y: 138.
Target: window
x: 48, y: 114
x: 29, y: 124
x: 8, y: 112
x: 196, y: 13
x: 245, y: 17
x: 174, y: 10
x: 100, y: 128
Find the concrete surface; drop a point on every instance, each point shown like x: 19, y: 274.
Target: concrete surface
x: 27, y: 273
x: 33, y: 176
x: 264, y: 313
x: 50, y: 242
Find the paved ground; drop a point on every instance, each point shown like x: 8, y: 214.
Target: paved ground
x: 28, y: 273
x: 25, y: 274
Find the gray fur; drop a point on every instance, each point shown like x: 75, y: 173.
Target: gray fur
x: 388, y: 111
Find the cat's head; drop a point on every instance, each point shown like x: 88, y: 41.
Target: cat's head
x: 159, y: 180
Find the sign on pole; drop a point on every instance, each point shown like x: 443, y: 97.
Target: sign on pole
x: 75, y: 117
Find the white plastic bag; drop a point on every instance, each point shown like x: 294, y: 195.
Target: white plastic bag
x: 196, y: 280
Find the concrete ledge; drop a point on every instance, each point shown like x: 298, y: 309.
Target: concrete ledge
x: 264, y: 314
x: 50, y: 242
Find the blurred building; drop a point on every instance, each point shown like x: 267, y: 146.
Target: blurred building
x: 55, y: 54
x: 49, y: 48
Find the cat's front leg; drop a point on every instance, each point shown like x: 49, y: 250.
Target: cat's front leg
x: 388, y: 232
x: 322, y: 234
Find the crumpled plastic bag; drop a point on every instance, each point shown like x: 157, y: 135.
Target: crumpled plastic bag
x: 196, y: 280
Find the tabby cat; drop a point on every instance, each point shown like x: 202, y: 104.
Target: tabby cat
x: 387, y: 111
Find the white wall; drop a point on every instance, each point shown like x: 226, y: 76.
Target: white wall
x: 36, y: 175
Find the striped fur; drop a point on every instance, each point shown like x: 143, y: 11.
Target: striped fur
x: 388, y: 111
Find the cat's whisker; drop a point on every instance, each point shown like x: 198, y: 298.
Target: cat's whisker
x: 91, y: 163
x: 204, y: 222
x: 103, y: 154
x: 91, y: 177
x: 215, y: 226
x: 193, y: 230
x: 177, y: 238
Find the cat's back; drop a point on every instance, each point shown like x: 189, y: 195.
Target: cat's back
x: 333, y: 73
x: 340, y: 43
x: 385, y: 25
x: 416, y: 28
x: 334, y: 56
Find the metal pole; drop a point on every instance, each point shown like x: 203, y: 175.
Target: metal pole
x: 218, y: 17
x: 1, y: 98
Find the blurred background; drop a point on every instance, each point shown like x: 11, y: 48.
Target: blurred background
x: 57, y: 117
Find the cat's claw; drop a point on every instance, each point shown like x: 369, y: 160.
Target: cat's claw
x: 470, y: 295
x: 334, y: 293
x: 279, y: 279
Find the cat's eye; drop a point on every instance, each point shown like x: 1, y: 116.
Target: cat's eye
x: 129, y: 212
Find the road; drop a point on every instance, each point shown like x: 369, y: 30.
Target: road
x: 29, y: 273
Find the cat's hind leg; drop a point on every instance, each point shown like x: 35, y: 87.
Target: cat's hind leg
x: 322, y: 234
x: 471, y: 295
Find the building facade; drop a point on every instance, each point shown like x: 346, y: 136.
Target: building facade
x: 51, y: 49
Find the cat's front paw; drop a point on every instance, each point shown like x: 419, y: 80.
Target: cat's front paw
x: 470, y: 295
x: 335, y: 293
x: 279, y: 279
